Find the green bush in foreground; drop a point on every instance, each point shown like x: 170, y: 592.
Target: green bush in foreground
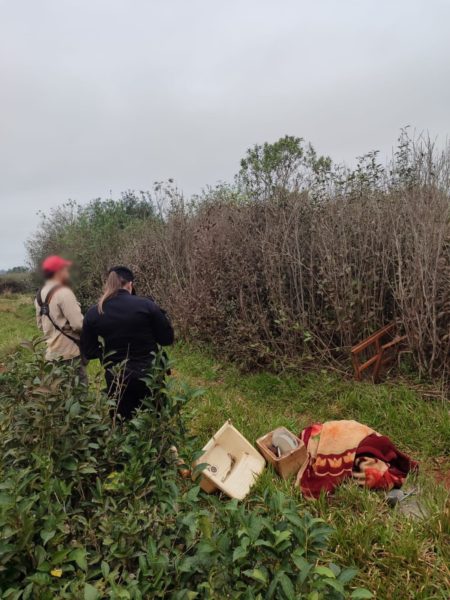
x: 94, y: 510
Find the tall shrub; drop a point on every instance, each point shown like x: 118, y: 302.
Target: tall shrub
x: 295, y: 262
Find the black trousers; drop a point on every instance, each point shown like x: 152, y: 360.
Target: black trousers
x: 129, y: 393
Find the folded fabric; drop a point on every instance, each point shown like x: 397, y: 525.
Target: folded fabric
x: 380, y: 465
x: 340, y: 449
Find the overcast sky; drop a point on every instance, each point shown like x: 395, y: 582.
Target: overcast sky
x: 101, y: 96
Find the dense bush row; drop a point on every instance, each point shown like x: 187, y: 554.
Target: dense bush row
x: 295, y: 261
x: 16, y: 283
x: 91, y: 509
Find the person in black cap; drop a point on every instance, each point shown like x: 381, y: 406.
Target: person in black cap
x: 131, y: 327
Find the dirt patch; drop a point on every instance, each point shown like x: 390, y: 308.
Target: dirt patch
x: 441, y: 471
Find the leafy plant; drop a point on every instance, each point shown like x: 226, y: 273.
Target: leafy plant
x: 94, y: 509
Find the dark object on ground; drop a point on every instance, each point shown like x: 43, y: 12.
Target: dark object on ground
x: 384, y: 345
x: 395, y: 496
x: 408, y: 503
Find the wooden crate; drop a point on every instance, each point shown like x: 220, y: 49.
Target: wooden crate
x: 288, y: 464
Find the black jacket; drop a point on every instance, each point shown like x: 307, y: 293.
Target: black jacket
x: 131, y: 327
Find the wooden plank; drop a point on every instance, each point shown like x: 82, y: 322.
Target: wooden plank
x: 372, y: 338
x: 397, y: 340
x: 380, y: 350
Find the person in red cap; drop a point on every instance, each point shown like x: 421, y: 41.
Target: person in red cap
x: 58, y: 313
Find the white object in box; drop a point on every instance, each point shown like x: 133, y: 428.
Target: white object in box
x: 233, y: 463
x: 287, y: 464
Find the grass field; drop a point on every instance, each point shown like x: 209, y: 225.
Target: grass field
x: 399, y: 556
x: 16, y: 321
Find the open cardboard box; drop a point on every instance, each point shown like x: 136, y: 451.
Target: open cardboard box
x: 233, y: 463
x: 287, y: 464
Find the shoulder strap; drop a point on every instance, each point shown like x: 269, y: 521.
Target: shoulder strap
x: 52, y: 292
x: 45, y: 310
x: 39, y: 297
x: 44, y: 304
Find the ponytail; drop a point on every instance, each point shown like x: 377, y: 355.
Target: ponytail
x: 111, y: 288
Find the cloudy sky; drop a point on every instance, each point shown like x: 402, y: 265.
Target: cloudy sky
x: 100, y: 96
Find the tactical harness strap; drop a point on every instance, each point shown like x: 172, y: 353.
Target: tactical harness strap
x: 44, y: 306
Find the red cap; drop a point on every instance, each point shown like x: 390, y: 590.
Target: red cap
x: 53, y: 264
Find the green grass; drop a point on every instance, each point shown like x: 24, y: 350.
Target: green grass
x: 399, y: 557
x: 17, y: 321
x: 258, y: 402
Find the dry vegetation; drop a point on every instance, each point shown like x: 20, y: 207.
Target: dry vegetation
x: 293, y: 263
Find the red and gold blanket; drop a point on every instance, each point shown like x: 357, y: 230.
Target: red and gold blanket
x: 341, y: 449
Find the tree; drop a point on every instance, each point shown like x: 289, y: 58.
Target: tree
x: 287, y: 165
x: 17, y: 270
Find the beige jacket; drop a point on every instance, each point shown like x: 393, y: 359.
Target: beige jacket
x: 66, y: 313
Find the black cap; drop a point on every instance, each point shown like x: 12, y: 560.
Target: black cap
x: 123, y: 272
